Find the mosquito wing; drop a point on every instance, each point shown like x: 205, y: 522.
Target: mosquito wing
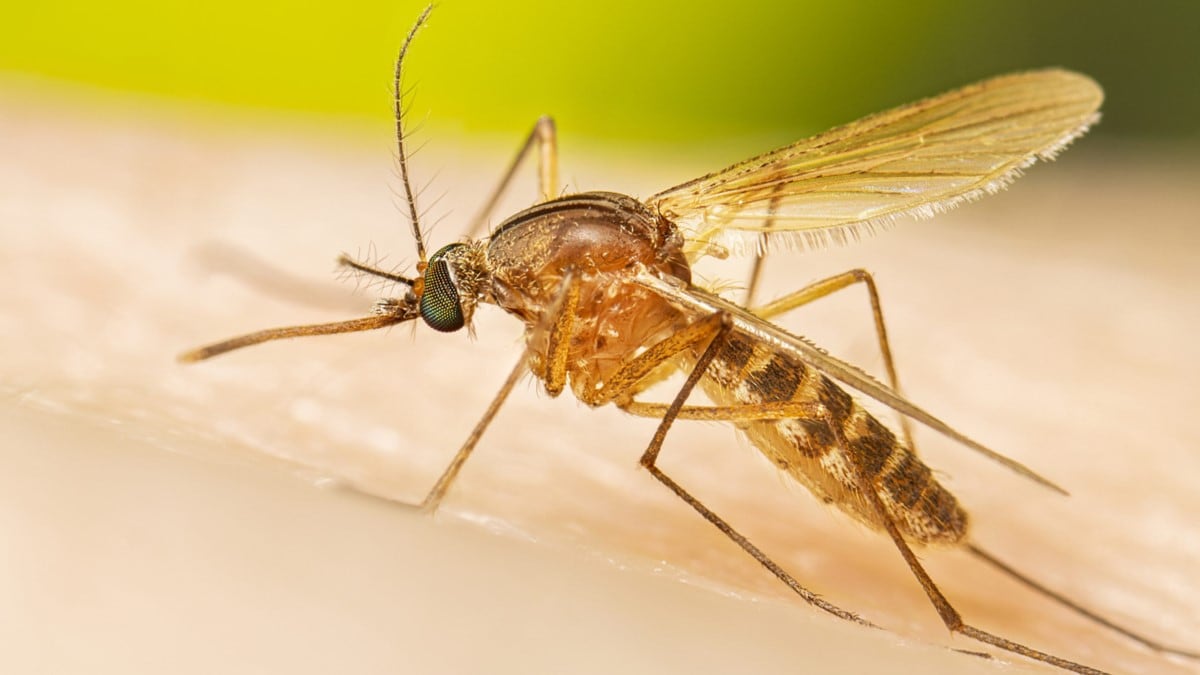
x: 915, y: 160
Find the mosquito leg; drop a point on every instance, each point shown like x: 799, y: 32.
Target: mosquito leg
x: 825, y: 287
x: 545, y: 136
x: 624, y: 380
x: 950, y: 616
x: 558, y: 342
x: 434, y: 498
x: 559, y: 329
x: 760, y: 254
x: 649, y: 460
x: 808, y: 410
x: 1074, y: 606
x: 756, y: 268
x: 558, y: 320
x: 748, y: 547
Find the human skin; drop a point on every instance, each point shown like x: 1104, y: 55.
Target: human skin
x: 216, y: 516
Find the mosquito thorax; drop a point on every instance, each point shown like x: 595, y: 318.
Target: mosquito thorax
x: 596, y: 235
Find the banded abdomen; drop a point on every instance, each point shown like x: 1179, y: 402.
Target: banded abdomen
x: 749, y: 372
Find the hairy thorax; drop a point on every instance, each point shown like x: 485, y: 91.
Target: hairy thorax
x: 602, y: 239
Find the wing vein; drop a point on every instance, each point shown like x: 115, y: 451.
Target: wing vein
x: 915, y: 160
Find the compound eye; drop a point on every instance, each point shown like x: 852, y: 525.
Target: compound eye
x: 440, y: 304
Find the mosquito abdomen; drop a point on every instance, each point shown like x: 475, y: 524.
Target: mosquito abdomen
x: 751, y: 372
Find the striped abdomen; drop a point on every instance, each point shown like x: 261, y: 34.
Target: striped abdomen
x: 747, y: 372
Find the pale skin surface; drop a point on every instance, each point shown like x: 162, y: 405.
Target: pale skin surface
x: 148, y: 528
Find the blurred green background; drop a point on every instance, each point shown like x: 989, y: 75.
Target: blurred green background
x: 623, y: 70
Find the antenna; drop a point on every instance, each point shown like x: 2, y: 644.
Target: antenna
x: 398, y: 107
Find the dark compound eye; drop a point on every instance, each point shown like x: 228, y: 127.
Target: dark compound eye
x: 440, y: 305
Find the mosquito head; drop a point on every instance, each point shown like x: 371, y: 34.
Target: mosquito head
x: 450, y: 286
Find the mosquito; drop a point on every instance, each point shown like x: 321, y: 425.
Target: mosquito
x: 603, y: 283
